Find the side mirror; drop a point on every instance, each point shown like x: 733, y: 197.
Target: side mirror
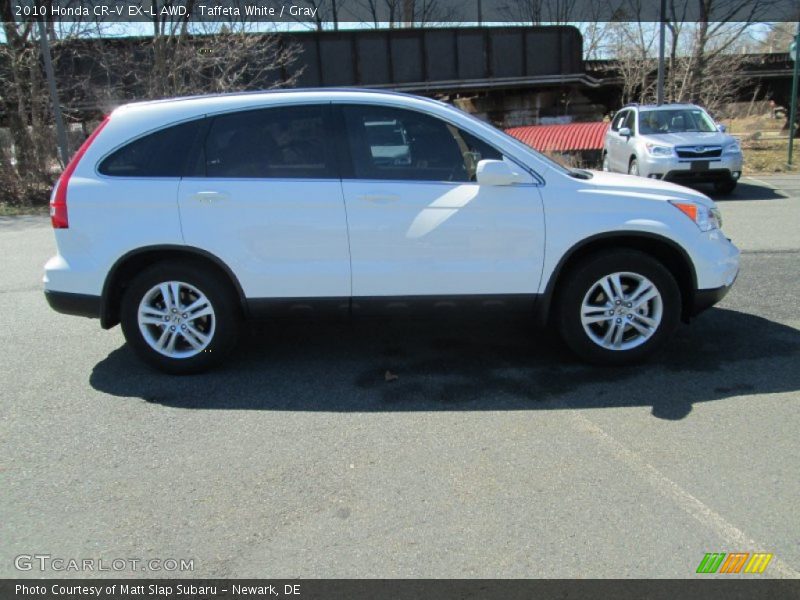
x: 497, y: 172
x: 624, y: 132
x: 721, y: 128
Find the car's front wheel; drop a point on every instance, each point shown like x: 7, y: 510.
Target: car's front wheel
x: 618, y: 307
x: 180, y: 318
x: 633, y: 167
x: 725, y: 187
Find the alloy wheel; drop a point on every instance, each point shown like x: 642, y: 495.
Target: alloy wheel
x: 621, y: 311
x: 176, y: 319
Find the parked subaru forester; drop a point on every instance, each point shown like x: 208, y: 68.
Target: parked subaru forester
x: 672, y: 142
x: 181, y: 218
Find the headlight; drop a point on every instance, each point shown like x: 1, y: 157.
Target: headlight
x: 733, y: 148
x: 656, y: 150
x: 705, y: 218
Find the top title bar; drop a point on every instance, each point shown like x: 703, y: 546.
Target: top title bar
x: 406, y: 12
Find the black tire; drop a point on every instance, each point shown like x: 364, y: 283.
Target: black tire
x: 226, y: 317
x: 605, y: 164
x: 725, y: 187
x: 582, y: 278
x: 633, y: 167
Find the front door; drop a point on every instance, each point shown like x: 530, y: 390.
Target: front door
x: 419, y: 223
x: 617, y: 144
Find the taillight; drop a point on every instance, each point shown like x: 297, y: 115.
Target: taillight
x: 58, y: 202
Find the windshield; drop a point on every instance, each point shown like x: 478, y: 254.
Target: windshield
x: 678, y: 120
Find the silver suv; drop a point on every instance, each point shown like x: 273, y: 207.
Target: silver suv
x: 674, y: 142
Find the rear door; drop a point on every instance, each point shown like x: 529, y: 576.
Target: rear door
x: 265, y: 198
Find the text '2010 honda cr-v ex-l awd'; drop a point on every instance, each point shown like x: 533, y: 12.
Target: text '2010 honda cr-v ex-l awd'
x: 180, y: 218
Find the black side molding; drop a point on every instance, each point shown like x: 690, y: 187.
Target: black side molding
x: 444, y: 305
x: 81, y: 305
x: 423, y: 306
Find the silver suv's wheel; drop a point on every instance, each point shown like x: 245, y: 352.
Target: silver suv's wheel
x: 617, y: 307
x: 606, y: 166
x: 633, y: 167
x: 180, y: 317
x: 725, y: 187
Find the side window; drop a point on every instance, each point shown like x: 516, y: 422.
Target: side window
x: 160, y: 154
x: 284, y: 142
x: 619, y: 118
x: 629, y: 121
x: 474, y: 150
x: 395, y: 144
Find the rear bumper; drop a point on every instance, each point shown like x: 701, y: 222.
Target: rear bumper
x: 81, y: 305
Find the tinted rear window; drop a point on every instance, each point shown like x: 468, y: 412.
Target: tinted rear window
x: 287, y: 142
x: 160, y: 154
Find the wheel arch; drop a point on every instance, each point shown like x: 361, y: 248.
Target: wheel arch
x: 670, y: 254
x: 130, y: 264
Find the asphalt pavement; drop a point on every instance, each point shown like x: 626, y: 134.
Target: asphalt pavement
x: 493, y: 453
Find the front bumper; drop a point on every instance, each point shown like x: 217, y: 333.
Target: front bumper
x: 709, y: 176
x: 705, y: 299
x: 723, y: 168
x: 717, y: 267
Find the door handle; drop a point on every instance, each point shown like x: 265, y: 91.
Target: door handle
x: 379, y: 198
x: 209, y: 196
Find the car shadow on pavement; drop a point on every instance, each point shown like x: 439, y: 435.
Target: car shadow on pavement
x: 403, y: 365
x: 746, y: 191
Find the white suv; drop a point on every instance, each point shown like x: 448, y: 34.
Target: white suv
x: 180, y: 218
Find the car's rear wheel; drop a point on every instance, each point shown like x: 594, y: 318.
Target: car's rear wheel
x: 618, y: 307
x: 633, y: 167
x: 606, y: 166
x: 180, y: 318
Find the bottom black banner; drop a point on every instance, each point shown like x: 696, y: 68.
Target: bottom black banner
x: 401, y: 589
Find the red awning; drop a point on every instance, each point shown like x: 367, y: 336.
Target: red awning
x: 562, y: 138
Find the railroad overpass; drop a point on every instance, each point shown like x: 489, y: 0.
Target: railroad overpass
x: 511, y: 76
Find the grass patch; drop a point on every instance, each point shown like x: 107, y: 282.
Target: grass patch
x: 15, y: 210
x: 764, y: 144
x: 769, y: 156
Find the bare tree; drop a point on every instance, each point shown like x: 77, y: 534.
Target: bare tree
x: 707, y: 40
x: 179, y: 58
x: 406, y: 13
x: 325, y: 11
x: 633, y: 46
x: 537, y: 12
x: 779, y: 37
x: 22, y: 95
x: 204, y: 57
x: 30, y: 159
